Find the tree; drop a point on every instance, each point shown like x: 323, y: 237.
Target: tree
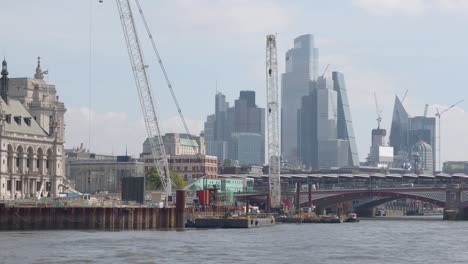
x: 153, y: 181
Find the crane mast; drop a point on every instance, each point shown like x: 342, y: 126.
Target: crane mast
x: 145, y: 95
x: 273, y: 122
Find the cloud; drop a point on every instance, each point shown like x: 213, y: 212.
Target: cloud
x: 113, y: 132
x: 412, y: 7
x: 392, y: 7
x: 229, y: 16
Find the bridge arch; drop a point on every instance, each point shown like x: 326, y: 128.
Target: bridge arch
x: 336, y: 198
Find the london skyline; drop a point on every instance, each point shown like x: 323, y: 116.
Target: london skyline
x: 370, y: 61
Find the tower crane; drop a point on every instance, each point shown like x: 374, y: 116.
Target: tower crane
x: 273, y: 122
x: 147, y: 104
x: 379, y: 111
x: 439, y: 115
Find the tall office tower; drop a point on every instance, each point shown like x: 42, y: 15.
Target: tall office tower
x: 399, y: 129
x: 243, y: 121
x: 221, y: 107
x: 307, y: 128
x: 345, y: 129
x: 332, y: 151
x: 216, y: 134
x: 424, y: 128
x: 407, y: 133
x: 301, y: 70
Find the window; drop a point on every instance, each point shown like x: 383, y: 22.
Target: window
x: 27, y: 121
x: 38, y: 186
x: 17, y: 120
x: 17, y: 161
x: 48, y: 186
x: 18, y: 185
x: 8, y: 185
x: 37, y: 163
x: 8, y: 119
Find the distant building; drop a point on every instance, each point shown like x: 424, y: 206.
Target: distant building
x: 345, y: 129
x: 380, y: 154
x: 232, y: 125
x: 246, y: 124
x: 422, y: 157
x: 101, y: 173
x: 301, y: 71
x: 192, y: 167
x: 407, y: 131
x: 307, y: 139
x: 452, y: 167
x: 178, y: 144
x: 247, y: 148
x: 31, y: 137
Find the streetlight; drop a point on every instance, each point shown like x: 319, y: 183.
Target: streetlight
x: 439, y: 114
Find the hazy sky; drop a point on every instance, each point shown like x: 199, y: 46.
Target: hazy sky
x: 382, y: 46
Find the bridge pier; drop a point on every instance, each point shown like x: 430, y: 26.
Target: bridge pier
x: 453, y: 209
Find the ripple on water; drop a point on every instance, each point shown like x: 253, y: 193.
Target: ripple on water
x: 366, y: 242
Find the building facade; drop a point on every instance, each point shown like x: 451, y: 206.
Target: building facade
x: 96, y: 173
x: 345, y: 128
x: 178, y: 144
x: 407, y: 132
x: 244, y: 121
x: 31, y: 137
x: 192, y: 167
x: 301, y: 70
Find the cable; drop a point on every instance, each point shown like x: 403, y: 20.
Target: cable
x: 166, y: 77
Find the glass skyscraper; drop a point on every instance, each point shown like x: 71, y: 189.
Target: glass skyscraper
x: 301, y: 71
x: 345, y: 129
x: 407, y: 133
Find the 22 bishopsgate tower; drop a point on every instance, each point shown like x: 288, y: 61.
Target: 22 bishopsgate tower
x: 296, y: 82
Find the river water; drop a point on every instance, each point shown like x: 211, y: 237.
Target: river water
x: 370, y: 241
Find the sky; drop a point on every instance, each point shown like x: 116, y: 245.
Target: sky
x: 384, y: 47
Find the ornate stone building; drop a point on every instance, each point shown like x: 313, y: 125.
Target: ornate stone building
x: 31, y: 137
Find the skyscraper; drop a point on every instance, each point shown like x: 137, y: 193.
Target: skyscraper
x: 345, y: 129
x: 237, y: 132
x: 325, y: 128
x: 408, y: 134
x: 301, y: 70
x: 246, y: 122
x: 399, y: 129
x: 307, y: 141
x: 332, y: 151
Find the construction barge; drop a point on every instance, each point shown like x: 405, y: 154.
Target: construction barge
x: 232, y: 222
x: 309, y: 220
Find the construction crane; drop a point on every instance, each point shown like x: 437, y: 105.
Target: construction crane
x: 439, y: 115
x: 273, y: 122
x: 325, y: 71
x: 143, y: 85
x: 379, y: 111
x: 166, y: 77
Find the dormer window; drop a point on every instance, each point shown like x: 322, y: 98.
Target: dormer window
x: 8, y: 118
x: 17, y: 120
x: 27, y: 121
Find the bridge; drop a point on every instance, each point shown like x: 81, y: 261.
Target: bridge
x: 327, y: 190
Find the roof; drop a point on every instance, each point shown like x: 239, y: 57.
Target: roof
x: 16, y: 109
x: 188, y: 142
